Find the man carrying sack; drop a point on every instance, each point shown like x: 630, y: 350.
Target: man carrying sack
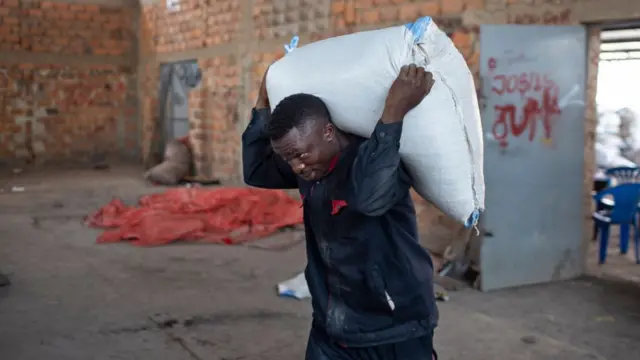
x: 370, y: 281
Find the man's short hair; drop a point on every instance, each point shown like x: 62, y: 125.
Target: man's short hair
x: 293, y: 112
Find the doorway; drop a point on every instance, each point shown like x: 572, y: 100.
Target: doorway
x: 617, y: 138
x: 180, y: 78
x: 177, y: 79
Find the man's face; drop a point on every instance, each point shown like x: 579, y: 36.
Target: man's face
x: 308, y: 149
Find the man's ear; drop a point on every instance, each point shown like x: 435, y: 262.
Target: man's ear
x: 329, y: 132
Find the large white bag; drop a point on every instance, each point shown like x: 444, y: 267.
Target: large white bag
x: 441, y: 142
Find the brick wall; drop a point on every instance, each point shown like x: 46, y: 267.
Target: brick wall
x: 198, y: 24
x: 67, y: 81
x: 243, y: 37
x: 58, y: 27
x: 58, y: 112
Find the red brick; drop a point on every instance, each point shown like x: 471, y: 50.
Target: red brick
x: 83, y: 16
x: 11, y: 20
x: 350, y: 14
x: 461, y: 39
x: 35, y: 12
x: 363, y: 4
x: 92, y: 8
x: 430, y: 8
x: 60, y: 6
x: 371, y: 16
x: 473, y: 4
x: 338, y: 6
x: 452, y: 7
x: 389, y: 15
x: 66, y: 15
x: 409, y: 12
x: 11, y: 3
x: 77, y: 7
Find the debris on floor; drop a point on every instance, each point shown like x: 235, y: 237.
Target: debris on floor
x: 295, y: 287
x: 442, y: 296
x: 223, y: 215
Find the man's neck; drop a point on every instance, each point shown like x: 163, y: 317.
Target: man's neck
x: 343, y: 141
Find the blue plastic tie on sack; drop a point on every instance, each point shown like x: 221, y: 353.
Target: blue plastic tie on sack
x: 472, y: 221
x: 292, y: 45
x: 419, y: 27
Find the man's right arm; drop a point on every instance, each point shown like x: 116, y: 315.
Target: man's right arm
x: 261, y: 167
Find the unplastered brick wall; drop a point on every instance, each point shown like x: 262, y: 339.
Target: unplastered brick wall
x: 67, y: 81
x: 252, y: 34
x: 63, y: 28
x: 148, y: 106
x: 197, y: 24
x: 58, y: 112
x: 215, y: 118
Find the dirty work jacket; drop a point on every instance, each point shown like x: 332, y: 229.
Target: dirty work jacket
x: 371, y: 282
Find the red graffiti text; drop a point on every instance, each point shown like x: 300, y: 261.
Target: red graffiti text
x: 539, y: 104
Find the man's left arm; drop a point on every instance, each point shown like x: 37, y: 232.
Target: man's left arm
x: 378, y: 176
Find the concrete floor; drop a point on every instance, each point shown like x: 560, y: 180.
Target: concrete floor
x: 72, y: 299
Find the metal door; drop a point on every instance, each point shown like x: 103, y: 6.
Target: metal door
x: 176, y: 81
x: 533, y: 91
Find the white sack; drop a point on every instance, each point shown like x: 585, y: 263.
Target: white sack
x: 611, y: 141
x: 608, y: 157
x: 608, y: 123
x: 442, y: 137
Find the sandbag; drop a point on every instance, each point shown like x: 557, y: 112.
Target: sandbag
x: 441, y: 142
x: 178, y: 152
x: 167, y: 173
x: 175, y: 165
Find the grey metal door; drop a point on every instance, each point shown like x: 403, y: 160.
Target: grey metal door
x: 177, y: 79
x: 178, y: 107
x: 533, y: 91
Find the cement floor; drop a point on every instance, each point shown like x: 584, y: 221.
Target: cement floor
x: 72, y: 299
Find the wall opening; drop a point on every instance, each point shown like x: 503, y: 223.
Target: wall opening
x: 617, y: 138
x: 177, y: 79
x: 618, y: 104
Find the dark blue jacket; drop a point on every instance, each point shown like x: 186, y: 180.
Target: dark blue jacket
x: 370, y: 280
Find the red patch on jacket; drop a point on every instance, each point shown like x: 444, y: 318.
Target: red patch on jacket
x: 337, y: 205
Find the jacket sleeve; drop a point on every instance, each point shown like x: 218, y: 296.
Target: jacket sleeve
x: 261, y: 167
x: 378, y: 177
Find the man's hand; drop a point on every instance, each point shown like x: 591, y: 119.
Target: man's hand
x: 406, y: 92
x: 263, y: 98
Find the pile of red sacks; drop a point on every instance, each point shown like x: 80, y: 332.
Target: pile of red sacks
x: 222, y: 215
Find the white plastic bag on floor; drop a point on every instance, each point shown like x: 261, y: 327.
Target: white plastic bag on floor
x: 442, y: 137
x: 295, y: 287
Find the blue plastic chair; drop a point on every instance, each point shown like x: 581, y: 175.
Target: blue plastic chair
x: 621, y: 175
x: 624, y: 175
x: 624, y: 213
